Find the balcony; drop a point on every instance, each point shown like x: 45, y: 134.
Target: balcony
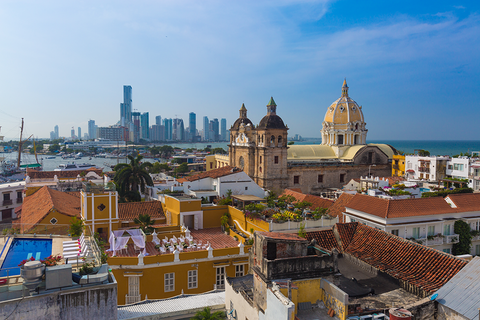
x: 424, y: 169
x: 396, y: 167
x: 434, y: 242
x: 7, y: 202
x: 19, y: 200
x: 453, y: 238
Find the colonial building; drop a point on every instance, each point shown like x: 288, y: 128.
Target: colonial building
x: 262, y: 151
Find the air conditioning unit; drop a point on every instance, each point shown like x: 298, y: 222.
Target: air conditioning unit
x: 58, y: 276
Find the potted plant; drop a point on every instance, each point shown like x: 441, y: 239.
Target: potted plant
x: 25, y: 261
x: 52, y: 260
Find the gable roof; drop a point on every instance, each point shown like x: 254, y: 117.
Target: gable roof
x: 131, y: 210
x: 466, y: 201
x: 38, y: 205
x: 385, y: 208
x: 460, y: 293
x: 214, y: 174
x: 338, y: 206
x: 425, y: 268
x: 316, y: 201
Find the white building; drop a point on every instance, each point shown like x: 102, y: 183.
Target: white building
x: 474, y: 176
x: 430, y: 168
x: 458, y: 167
x: 429, y: 221
x: 12, y: 197
x: 215, y: 183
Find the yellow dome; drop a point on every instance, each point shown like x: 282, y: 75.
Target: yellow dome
x: 344, y: 109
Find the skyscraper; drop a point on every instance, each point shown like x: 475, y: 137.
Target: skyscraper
x: 192, y: 125
x: 92, y: 132
x: 126, y: 107
x: 79, y: 136
x: 158, y: 120
x: 168, y: 129
x: 136, y: 126
x: 216, y: 130
x: 144, y: 124
x: 223, y: 129
x: 178, y: 130
x: 206, y: 128
x: 72, y: 133
x: 57, y: 135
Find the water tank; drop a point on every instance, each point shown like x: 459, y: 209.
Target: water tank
x: 400, y: 314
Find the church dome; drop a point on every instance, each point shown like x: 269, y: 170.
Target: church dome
x: 271, y: 120
x: 242, y: 119
x: 344, y: 110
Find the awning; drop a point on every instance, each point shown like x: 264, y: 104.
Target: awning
x: 410, y: 170
x: 246, y: 197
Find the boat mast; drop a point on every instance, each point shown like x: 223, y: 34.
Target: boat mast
x: 20, y: 142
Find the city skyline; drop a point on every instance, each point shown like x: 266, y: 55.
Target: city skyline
x: 411, y: 65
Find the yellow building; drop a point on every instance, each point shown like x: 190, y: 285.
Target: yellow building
x: 216, y: 161
x: 398, y: 165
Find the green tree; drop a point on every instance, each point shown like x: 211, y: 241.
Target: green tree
x: 290, y: 143
x: 76, y: 227
x: 301, y: 231
x: 206, y: 314
x: 182, y: 168
x: 218, y: 151
x: 166, y: 151
x: 464, y: 243
x: 145, y: 222
x: 154, y: 151
x: 130, y: 177
x: 423, y: 153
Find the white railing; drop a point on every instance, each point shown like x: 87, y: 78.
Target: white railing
x: 434, y: 242
x: 292, y: 225
x: 453, y: 238
x: 131, y: 299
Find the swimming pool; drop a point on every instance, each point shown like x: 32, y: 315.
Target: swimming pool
x: 21, y: 249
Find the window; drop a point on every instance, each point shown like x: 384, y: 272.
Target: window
x: 296, y: 179
x: 276, y: 159
x: 6, y: 196
x: 458, y: 166
x: 446, y: 230
x: 260, y: 159
x: 53, y: 221
x: 477, y: 249
x: 416, y: 233
x: 169, y: 282
x: 239, y: 271
x: 342, y: 177
x: 211, y: 165
x: 220, y: 278
x: 7, y: 214
x: 449, y: 167
x: 260, y: 169
x: 340, y: 139
x: 246, y: 188
x: 279, y: 141
x: 431, y: 230
x: 320, y: 178
x: 370, y: 157
x: 133, y: 289
x: 395, y: 232
x: 446, y: 250
x: 192, y: 279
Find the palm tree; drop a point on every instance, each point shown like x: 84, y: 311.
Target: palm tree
x: 145, y: 222
x: 129, y: 177
x: 206, y: 314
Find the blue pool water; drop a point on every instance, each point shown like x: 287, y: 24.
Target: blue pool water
x: 24, y: 249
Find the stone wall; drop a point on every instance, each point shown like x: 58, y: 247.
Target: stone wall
x: 97, y: 302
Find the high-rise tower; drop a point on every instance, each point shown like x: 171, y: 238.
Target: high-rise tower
x: 206, y: 129
x: 192, y: 125
x: 126, y: 107
x: 223, y: 129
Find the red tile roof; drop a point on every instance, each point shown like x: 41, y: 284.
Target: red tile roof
x: 214, y: 174
x: 420, y: 266
x: 36, y: 174
x: 37, y: 206
x: 338, y: 206
x: 466, y: 201
x: 325, y: 239
x: 316, y: 201
x: 385, y: 208
x: 131, y: 210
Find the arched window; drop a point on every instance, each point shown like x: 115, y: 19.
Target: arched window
x: 279, y: 141
x: 241, y: 163
x: 260, y: 169
x: 272, y: 141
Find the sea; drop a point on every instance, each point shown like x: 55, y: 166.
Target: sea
x: 435, y: 147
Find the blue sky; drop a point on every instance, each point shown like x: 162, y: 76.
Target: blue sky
x: 412, y: 65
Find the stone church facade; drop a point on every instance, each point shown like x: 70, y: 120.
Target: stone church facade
x: 263, y: 153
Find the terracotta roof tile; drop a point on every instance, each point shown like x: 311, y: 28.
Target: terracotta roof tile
x: 37, y: 206
x: 324, y: 238
x: 36, y: 174
x: 338, y: 206
x: 215, y: 173
x: 316, y: 201
x: 418, y: 265
x: 466, y: 201
x: 131, y: 210
x: 385, y: 208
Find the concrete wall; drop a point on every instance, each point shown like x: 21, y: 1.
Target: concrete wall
x: 98, y: 302
x: 334, y: 298
x: 278, y: 306
x: 243, y: 309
